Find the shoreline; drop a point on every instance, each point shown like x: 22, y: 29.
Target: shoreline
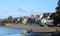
x: 28, y: 27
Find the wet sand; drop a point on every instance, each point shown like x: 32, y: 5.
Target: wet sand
x: 28, y: 27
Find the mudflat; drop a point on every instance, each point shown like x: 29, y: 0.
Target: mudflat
x: 36, y: 28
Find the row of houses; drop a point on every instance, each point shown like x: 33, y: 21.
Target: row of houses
x: 33, y: 19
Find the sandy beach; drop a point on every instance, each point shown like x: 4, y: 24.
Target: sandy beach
x: 35, y: 28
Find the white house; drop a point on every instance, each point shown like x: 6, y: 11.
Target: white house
x: 43, y: 21
x: 24, y: 20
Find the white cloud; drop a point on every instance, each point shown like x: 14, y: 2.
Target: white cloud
x: 24, y: 9
x: 28, y: 10
x: 6, y: 10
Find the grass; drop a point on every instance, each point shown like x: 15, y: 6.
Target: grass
x: 33, y: 25
x: 57, y: 29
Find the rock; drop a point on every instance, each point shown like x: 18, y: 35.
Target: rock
x: 24, y: 32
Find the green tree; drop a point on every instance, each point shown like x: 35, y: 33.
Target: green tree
x: 10, y: 18
x: 56, y: 16
x: 45, y: 15
x: 6, y: 20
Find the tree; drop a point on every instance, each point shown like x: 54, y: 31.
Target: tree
x: 45, y: 15
x: 10, y: 18
x: 56, y: 15
x: 6, y: 20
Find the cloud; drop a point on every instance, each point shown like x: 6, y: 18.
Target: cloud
x: 28, y: 10
x: 23, y: 9
x: 6, y: 10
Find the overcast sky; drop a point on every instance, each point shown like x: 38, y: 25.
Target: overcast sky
x: 17, y: 8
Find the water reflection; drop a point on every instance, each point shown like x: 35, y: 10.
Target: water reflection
x: 16, y: 32
x: 44, y: 34
x: 10, y: 32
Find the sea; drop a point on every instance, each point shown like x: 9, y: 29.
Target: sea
x: 17, y: 32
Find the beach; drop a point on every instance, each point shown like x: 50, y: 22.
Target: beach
x: 35, y: 28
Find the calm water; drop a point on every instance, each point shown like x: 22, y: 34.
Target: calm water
x: 17, y: 32
x: 10, y: 32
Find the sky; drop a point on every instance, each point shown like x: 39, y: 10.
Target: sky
x: 18, y: 8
